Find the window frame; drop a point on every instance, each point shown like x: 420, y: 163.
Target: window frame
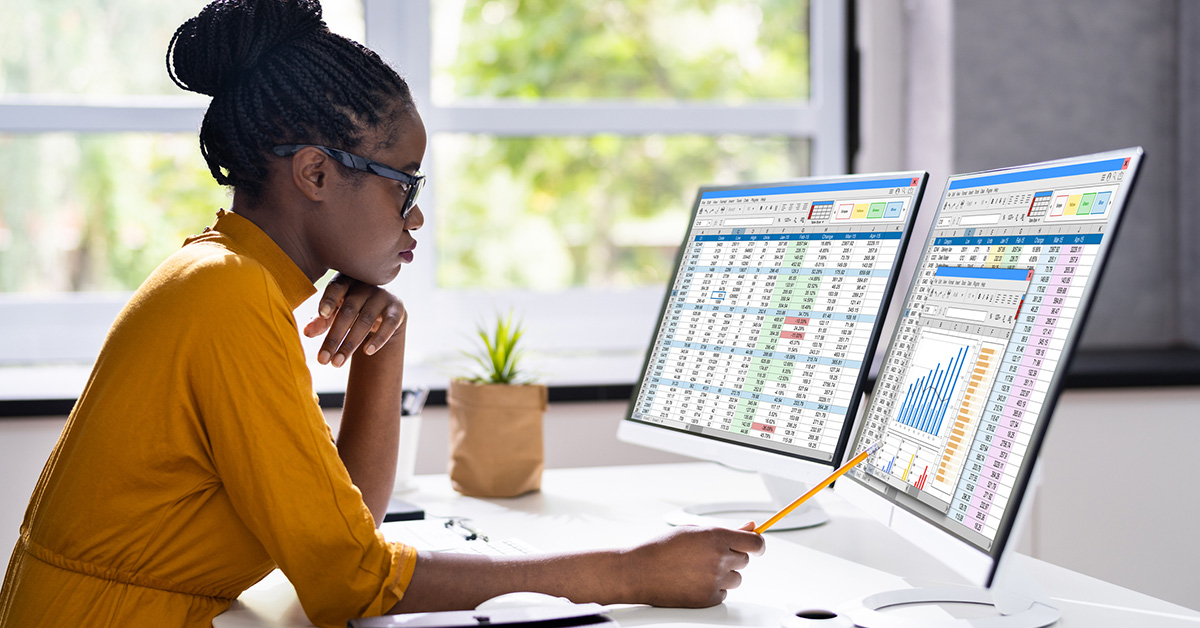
x: 577, y: 321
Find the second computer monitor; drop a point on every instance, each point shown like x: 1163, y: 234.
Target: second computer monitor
x: 770, y: 321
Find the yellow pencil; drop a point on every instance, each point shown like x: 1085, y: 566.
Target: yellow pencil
x: 816, y: 489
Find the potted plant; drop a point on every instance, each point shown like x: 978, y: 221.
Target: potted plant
x: 496, y: 445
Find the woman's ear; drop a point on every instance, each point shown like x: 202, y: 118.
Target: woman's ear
x: 310, y: 171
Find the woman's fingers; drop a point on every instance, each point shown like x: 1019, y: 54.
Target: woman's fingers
x: 365, y: 316
x: 385, y: 327
x: 331, y: 299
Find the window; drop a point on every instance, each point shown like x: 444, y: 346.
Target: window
x: 567, y: 139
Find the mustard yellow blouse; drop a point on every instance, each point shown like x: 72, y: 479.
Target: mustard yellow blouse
x: 197, y: 460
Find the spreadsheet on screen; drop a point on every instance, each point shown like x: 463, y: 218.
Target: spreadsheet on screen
x: 982, y: 335
x: 771, y: 312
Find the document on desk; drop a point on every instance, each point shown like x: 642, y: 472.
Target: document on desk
x: 453, y: 536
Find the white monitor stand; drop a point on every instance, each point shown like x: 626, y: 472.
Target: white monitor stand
x: 1015, y: 595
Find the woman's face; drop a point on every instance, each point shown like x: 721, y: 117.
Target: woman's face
x: 364, y: 235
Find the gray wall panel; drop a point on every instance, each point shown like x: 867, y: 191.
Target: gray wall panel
x: 1189, y: 171
x: 1036, y: 80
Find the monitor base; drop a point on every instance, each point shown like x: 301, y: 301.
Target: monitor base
x: 1030, y: 614
x: 736, y: 514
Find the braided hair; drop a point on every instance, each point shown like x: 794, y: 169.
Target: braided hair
x: 277, y: 75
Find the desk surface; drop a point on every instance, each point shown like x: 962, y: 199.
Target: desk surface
x: 830, y: 566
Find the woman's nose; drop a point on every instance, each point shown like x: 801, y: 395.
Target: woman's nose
x: 415, y: 219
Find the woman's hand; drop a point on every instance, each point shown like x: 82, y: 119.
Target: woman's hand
x: 355, y: 314
x: 692, y: 567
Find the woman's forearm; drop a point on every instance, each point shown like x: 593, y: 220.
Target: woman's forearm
x: 369, y: 436
x: 688, y: 567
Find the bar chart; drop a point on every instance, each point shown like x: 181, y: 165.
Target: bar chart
x: 927, y: 398
x: 934, y: 383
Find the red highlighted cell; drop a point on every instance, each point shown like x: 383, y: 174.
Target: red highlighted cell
x: 795, y: 320
x: 792, y: 335
x: 770, y: 429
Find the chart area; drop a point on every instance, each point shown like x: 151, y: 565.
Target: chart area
x: 771, y: 314
x: 968, y: 317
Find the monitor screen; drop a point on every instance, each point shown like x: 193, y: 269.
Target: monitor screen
x: 771, y: 317
x: 967, y: 386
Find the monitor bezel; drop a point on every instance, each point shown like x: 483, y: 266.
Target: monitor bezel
x: 741, y: 455
x: 976, y: 564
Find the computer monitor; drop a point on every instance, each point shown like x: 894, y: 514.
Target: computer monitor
x: 768, y: 326
x: 969, y: 382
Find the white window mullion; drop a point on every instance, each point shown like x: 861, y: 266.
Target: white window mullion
x: 827, y: 58
x: 121, y: 115
x: 510, y: 119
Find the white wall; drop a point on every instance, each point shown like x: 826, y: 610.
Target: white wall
x: 1117, y: 502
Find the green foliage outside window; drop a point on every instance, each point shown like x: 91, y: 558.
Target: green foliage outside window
x: 100, y: 211
x: 549, y: 213
x: 697, y: 50
x: 97, y: 211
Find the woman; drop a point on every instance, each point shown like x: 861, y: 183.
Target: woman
x: 197, y: 459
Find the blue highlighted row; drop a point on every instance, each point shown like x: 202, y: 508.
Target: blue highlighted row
x: 973, y: 272
x: 812, y: 188
x: 742, y: 394
x: 768, y: 311
x: 788, y: 270
x: 741, y: 237
x: 760, y: 353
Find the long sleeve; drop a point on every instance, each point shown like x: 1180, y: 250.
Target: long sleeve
x: 196, y: 461
x: 278, y: 463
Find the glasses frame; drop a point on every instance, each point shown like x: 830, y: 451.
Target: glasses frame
x: 414, y: 181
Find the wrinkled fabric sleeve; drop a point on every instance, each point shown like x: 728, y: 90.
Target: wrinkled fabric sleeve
x: 273, y: 452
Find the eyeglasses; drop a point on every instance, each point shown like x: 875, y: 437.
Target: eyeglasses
x: 356, y: 162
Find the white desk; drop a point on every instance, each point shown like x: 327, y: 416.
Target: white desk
x: 825, y: 567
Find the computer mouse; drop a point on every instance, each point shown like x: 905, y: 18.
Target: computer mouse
x: 523, y: 599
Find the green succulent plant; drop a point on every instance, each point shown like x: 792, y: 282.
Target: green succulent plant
x: 497, y: 353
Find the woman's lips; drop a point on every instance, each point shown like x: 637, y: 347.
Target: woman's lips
x: 407, y: 254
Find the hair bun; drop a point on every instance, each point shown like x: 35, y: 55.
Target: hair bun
x: 210, y: 51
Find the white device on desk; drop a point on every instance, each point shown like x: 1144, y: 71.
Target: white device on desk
x: 970, y: 380
x: 764, y: 338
